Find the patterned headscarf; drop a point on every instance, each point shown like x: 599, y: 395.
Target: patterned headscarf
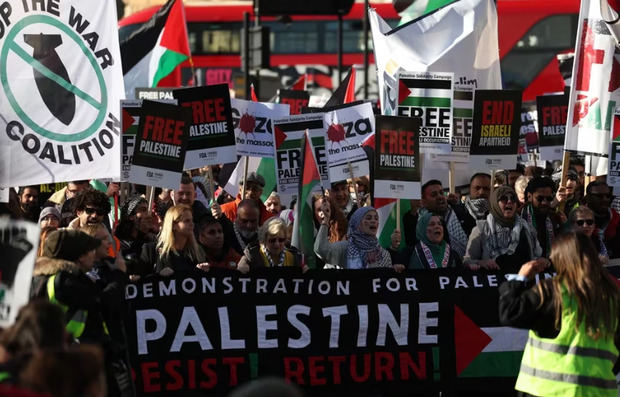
x: 496, y: 211
x: 361, y: 244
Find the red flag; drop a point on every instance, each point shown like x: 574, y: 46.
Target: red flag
x: 253, y: 93
x: 349, y: 95
x: 300, y: 84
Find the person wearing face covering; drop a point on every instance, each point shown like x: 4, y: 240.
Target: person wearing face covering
x: 432, y: 251
x: 503, y: 240
x: 360, y: 251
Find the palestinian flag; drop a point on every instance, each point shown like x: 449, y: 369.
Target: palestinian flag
x: 303, y: 228
x: 386, y: 209
x: 156, y: 49
x: 345, y: 93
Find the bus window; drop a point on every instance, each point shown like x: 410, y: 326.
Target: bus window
x: 299, y: 37
x: 214, y: 38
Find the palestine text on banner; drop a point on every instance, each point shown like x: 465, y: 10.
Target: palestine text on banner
x: 253, y: 123
x: 61, y: 85
x: 428, y: 97
x: 460, y: 38
x: 346, y: 127
x: 156, y: 49
x: 595, y: 85
x: 211, y: 135
x: 288, y: 134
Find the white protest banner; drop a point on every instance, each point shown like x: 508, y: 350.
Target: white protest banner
x: 288, y: 134
x: 61, y: 82
x: 346, y: 127
x: 460, y: 38
x: 428, y: 97
x: 19, y: 241
x: 253, y: 126
x: 594, y: 91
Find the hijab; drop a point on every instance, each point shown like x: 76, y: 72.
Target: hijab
x: 360, y: 244
x: 437, y: 250
x: 496, y: 211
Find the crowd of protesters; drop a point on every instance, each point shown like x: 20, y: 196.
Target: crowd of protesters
x: 91, y: 246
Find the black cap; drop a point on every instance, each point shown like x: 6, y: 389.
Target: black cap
x: 69, y: 244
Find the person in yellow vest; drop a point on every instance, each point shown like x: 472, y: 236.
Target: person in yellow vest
x: 573, y: 319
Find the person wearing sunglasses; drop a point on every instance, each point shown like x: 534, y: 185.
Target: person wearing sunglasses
x: 581, y: 220
x: 91, y: 207
x: 503, y: 240
x: 607, y: 220
x: 271, y: 250
x: 539, y: 213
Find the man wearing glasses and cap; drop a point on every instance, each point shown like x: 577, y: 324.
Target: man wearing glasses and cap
x: 598, y: 197
x: 253, y: 190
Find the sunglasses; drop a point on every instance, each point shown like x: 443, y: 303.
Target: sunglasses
x: 544, y: 198
x: 90, y: 211
x: 278, y: 240
x: 588, y: 222
x: 508, y: 197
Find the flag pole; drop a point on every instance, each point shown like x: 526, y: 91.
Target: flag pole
x: 150, y: 192
x: 209, y: 183
x: 398, y: 215
x: 245, y: 176
x: 451, y: 178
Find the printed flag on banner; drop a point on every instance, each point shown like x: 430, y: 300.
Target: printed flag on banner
x: 594, y: 92
x: 211, y: 135
x: 496, y: 132
x: 346, y: 128
x: 156, y: 49
x: 61, y: 85
x: 552, y: 113
x: 613, y: 175
x: 288, y: 133
x: 397, y: 157
x: 460, y: 38
x: 296, y: 99
x: 428, y: 97
x: 309, y: 183
x: 19, y: 242
x: 253, y: 124
x: 161, y: 141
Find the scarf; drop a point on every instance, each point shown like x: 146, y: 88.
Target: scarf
x: 530, y: 217
x: 457, y: 236
x: 434, y: 253
x: 363, y: 248
x: 477, y: 208
x: 495, y: 209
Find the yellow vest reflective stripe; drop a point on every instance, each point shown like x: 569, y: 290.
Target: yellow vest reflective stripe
x: 77, y: 322
x: 572, y: 364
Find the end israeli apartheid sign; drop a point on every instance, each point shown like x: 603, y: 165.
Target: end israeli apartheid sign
x: 211, y: 135
x: 345, y: 129
x: 61, y: 83
x: 161, y: 142
x: 397, y: 157
x: 288, y: 133
x: 428, y: 96
x: 552, y: 114
x: 253, y: 126
x: 495, y: 136
x: 296, y: 99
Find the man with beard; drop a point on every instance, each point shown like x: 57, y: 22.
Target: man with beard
x: 607, y: 220
x: 476, y: 206
x: 91, y: 207
x: 29, y: 202
x: 244, y: 230
x: 342, y: 199
x: 186, y: 194
x: 255, y: 184
x: 538, y: 212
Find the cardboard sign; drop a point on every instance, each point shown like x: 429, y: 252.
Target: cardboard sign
x: 288, y: 137
x: 296, y: 99
x: 155, y: 93
x: 345, y: 129
x: 19, y: 241
x: 211, y: 135
x: 161, y: 141
x: 552, y: 113
x: 397, y: 157
x: 253, y: 122
x: 428, y: 97
x: 495, y: 136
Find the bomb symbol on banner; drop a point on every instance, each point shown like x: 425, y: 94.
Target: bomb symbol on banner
x: 247, y: 124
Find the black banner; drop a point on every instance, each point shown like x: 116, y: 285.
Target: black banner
x: 497, y: 121
x: 162, y: 136
x: 341, y: 332
x: 552, y: 113
x: 296, y: 99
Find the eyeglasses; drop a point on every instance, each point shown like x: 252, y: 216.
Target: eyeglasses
x: 90, y: 211
x: 581, y: 222
x: 508, y: 197
x: 544, y: 198
x: 276, y: 240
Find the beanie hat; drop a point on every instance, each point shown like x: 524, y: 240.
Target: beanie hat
x: 49, y: 211
x: 69, y: 244
x: 130, y: 205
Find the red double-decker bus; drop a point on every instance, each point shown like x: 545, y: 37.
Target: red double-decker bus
x: 531, y: 34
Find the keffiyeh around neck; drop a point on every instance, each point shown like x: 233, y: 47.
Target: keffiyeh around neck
x: 478, y: 208
x: 361, y: 245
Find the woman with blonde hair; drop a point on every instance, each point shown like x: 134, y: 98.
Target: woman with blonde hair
x: 573, y: 320
x: 271, y: 250
x: 176, y: 248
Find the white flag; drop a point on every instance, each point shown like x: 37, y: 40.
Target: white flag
x: 61, y: 85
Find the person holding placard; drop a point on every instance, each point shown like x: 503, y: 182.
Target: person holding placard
x: 503, y: 240
x: 432, y: 251
x: 360, y: 251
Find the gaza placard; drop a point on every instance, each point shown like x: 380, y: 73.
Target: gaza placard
x: 253, y: 126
